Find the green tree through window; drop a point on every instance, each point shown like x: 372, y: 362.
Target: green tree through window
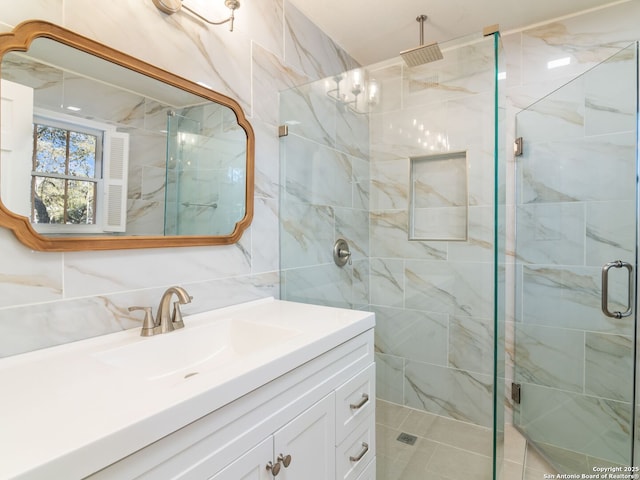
x: 64, y: 180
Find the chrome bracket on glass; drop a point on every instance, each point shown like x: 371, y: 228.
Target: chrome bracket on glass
x: 605, y: 288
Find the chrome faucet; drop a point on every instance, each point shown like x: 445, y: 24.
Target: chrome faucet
x: 164, y: 322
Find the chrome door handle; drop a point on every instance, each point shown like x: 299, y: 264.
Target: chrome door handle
x: 605, y: 289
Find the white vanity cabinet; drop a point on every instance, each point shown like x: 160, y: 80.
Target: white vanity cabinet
x: 219, y: 399
x: 307, y: 441
x: 320, y: 413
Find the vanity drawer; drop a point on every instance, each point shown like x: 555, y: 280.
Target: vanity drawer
x: 355, y: 400
x: 357, y: 451
x: 369, y: 472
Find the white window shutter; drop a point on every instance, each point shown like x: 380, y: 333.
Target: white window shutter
x: 16, y: 147
x: 114, y: 175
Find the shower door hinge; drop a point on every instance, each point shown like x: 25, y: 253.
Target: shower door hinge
x: 283, y: 130
x: 515, y: 393
x: 518, y: 149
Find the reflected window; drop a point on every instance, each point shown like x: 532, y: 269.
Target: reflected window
x: 67, y: 166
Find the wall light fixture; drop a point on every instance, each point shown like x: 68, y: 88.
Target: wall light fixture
x: 172, y: 6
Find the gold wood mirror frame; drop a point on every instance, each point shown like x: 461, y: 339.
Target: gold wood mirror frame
x: 19, y: 40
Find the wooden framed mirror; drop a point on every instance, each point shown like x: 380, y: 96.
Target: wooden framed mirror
x: 102, y: 151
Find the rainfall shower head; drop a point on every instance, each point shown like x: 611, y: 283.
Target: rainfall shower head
x: 423, y: 53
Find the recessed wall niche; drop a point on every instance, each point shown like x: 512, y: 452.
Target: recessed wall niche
x: 439, y: 200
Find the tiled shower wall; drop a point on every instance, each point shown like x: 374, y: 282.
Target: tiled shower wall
x: 324, y: 197
x: 53, y: 298
x: 586, y: 39
x: 576, y: 366
x: 434, y: 299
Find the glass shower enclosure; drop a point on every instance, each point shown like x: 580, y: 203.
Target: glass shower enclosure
x: 205, y: 162
x: 576, y: 268
x: 409, y: 170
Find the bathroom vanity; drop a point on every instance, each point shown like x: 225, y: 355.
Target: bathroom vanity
x: 254, y: 391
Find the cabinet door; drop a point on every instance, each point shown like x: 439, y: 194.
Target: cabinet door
x: 250, y: 466
x: 310, y: 440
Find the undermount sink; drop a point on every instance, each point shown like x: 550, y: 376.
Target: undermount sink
x: 195, y: 348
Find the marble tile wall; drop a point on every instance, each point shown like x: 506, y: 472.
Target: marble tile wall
x: 324, y: 196
x: 53, y: 298
x: 434, y: 298
x: 575, y: 364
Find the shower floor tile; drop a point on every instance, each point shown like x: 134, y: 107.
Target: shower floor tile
x: 445, y: 449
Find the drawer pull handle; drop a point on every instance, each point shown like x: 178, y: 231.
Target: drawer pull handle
x: 274, y: 469
x: 365, y: 449
x: 361, y: 403
x: 285, y: 459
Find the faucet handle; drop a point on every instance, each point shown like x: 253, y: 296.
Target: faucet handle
x: 176, y: 315
x: 148, y: 323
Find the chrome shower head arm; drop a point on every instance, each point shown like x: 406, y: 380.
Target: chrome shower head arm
x: 421, y: 19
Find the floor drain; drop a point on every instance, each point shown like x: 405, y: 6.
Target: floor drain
x: 406, y: 438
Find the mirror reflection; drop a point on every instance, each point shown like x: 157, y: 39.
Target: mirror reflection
x: 92, y: 148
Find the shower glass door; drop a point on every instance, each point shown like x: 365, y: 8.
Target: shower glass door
x: 576, y: 198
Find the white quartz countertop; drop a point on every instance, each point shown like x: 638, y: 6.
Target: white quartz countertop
x: 70, y: 410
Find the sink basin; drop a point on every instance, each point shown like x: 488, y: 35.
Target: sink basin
x: 195, y: 348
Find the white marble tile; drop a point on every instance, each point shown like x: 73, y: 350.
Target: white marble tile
x: 145, y: 217
x: 586, y: 39
x: 319, y: 284
x: 183, y: 36
x: 390, y: 184
x: 361, y: 185
x: 611, y: 231
x: 449, y: 287
x: 609, y: 89
x: 306, y: 234
x: 440, y: 223
x: 352, y: 133
x: 548, y: 356
x: 316, y: 174
x: 479, y: 244
x: 353, y: 225
x: 309, y: 49
x: 267, y: 160
x: 276, y: 77
x: 360, y: 284
x: 608, y: 366
x: 389, y: 378
x: 411, y: 335
x: 588, y: 169
x: 309, y: 113
x: 23, y: 329
x: 572, y: 299
x: 578, y: 423
x: 551, y: 233
x: 449, y: 392
x: 387, y: 282
x: 390, y: 239
x: 28, y: 276
x: 471, y: 344
x: 96, y: 273
x: 263, y: 21
x: 265, y: 236
x: 13, y: 13
x: 389, y: 78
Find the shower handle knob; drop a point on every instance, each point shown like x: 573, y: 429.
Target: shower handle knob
x: 341, y: 253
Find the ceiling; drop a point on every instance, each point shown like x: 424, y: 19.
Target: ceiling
x: 376, y: 30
